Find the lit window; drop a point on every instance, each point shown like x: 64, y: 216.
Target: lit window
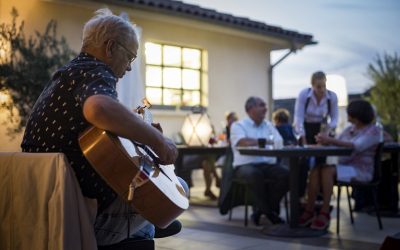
x: 172, y: 78
x: 153, y: 76
x: 191, y: 58
x: 175, y: 75
x: 153, y: 53
x: 172, y: 56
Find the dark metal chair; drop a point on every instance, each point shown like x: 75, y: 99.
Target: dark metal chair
x: 239, y: 190
x: 372, y: 185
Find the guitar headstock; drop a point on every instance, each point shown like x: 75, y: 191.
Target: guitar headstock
x: 146, y: 105
x: 144, y: 111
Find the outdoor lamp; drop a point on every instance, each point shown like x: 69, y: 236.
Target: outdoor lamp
x: 337, y: 84
x: 197, y: 129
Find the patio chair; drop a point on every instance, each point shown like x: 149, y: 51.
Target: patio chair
x: 372, y: 186
x: 240, y: 188
x: 235, y: 191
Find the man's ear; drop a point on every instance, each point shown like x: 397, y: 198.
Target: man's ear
x: 109, y: 48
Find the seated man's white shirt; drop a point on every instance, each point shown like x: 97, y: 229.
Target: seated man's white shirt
x: 246, y: 128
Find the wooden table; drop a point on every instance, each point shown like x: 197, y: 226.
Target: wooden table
x: 185, y: 173
x: 294, y: 153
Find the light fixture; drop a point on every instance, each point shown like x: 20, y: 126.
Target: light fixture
x: 337, y: 84
x: 5, y: 97
x: 197, y: 129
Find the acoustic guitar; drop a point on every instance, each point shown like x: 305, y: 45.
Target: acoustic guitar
x: 131, y: 170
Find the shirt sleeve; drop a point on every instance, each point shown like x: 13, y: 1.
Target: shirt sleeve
x: 334, y: 112
x: 237, y: 133
x: 299, y: 109
x: 345, y: 134
x: 367, y: 140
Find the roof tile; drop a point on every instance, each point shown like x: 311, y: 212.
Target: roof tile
x: 208, y: 15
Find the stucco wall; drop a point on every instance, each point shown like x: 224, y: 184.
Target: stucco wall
x: 237, y: 66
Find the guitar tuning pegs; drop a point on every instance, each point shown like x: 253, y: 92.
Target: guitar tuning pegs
x: 146, y: 102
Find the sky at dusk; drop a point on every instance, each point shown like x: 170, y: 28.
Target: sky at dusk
x: 350, y: 35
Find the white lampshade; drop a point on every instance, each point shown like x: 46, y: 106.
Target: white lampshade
x: 197, y: 129
x: 337, y: 84
x: 4, y: 97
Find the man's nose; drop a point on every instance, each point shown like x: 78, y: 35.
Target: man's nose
x: 129, y: 68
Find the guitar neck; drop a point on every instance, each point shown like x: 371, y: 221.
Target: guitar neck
x: 145, y: 112
x: 147, y: 116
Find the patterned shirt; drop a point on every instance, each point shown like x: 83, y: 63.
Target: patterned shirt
x: 57, y: 119
x: 365, y: 141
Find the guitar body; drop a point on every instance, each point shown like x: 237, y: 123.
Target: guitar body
x: 160, y: 199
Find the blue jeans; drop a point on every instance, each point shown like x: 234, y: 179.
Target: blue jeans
x: 118, y: 222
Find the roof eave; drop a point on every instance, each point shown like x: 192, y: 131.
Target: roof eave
x: 292, y: 39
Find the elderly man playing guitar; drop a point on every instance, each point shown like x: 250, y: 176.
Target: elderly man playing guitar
x: 82, y: 94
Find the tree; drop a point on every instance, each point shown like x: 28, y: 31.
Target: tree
x: 26, y: 65
x: 385, y: 94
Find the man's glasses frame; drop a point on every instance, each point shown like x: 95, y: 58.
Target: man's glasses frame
x: 131, y: 55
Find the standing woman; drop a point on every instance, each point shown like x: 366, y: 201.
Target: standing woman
x: 313, y: 108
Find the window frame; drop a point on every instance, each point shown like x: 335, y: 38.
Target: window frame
x: 201, y: 70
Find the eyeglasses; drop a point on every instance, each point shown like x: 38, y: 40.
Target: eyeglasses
x: 131, y: 55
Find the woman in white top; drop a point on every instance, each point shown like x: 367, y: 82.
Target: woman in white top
x: 313, y: 107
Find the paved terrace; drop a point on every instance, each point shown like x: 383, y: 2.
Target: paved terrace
x: 205, y: 229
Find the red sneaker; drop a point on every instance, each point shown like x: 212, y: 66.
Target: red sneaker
x: 306, y: 218
x: 321, y: 222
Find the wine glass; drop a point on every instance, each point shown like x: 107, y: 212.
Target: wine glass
x: 270, y: 140
x: 298, y: 132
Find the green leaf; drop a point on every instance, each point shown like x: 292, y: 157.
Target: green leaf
x: 28, y: 67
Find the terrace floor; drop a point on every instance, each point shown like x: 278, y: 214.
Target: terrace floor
x: 205, y: 228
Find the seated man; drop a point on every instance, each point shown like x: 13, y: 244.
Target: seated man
x: 207, y: 163
x: 82, y: 94
x: 257, y: 169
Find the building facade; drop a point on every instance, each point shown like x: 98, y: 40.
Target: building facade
x: 188, y: 55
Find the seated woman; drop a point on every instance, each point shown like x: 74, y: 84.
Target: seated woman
x: 363, y: 136
x: 281, y: 119
x: 207, y: 163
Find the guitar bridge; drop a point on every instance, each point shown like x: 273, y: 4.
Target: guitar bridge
x: 139, y: 180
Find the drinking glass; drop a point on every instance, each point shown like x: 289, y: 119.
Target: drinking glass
x: 298, y: 132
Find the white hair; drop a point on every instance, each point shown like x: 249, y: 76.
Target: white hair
x: 105, y: 26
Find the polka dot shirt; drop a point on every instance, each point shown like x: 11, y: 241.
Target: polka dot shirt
x: 57, y: 119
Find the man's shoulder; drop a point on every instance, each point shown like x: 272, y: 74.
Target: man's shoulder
x: 89, y: 68
x: 239, y: 125
x: 269, y: 125
x: 245, y: 121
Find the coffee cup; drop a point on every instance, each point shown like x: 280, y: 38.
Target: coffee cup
x: 261, y: 142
